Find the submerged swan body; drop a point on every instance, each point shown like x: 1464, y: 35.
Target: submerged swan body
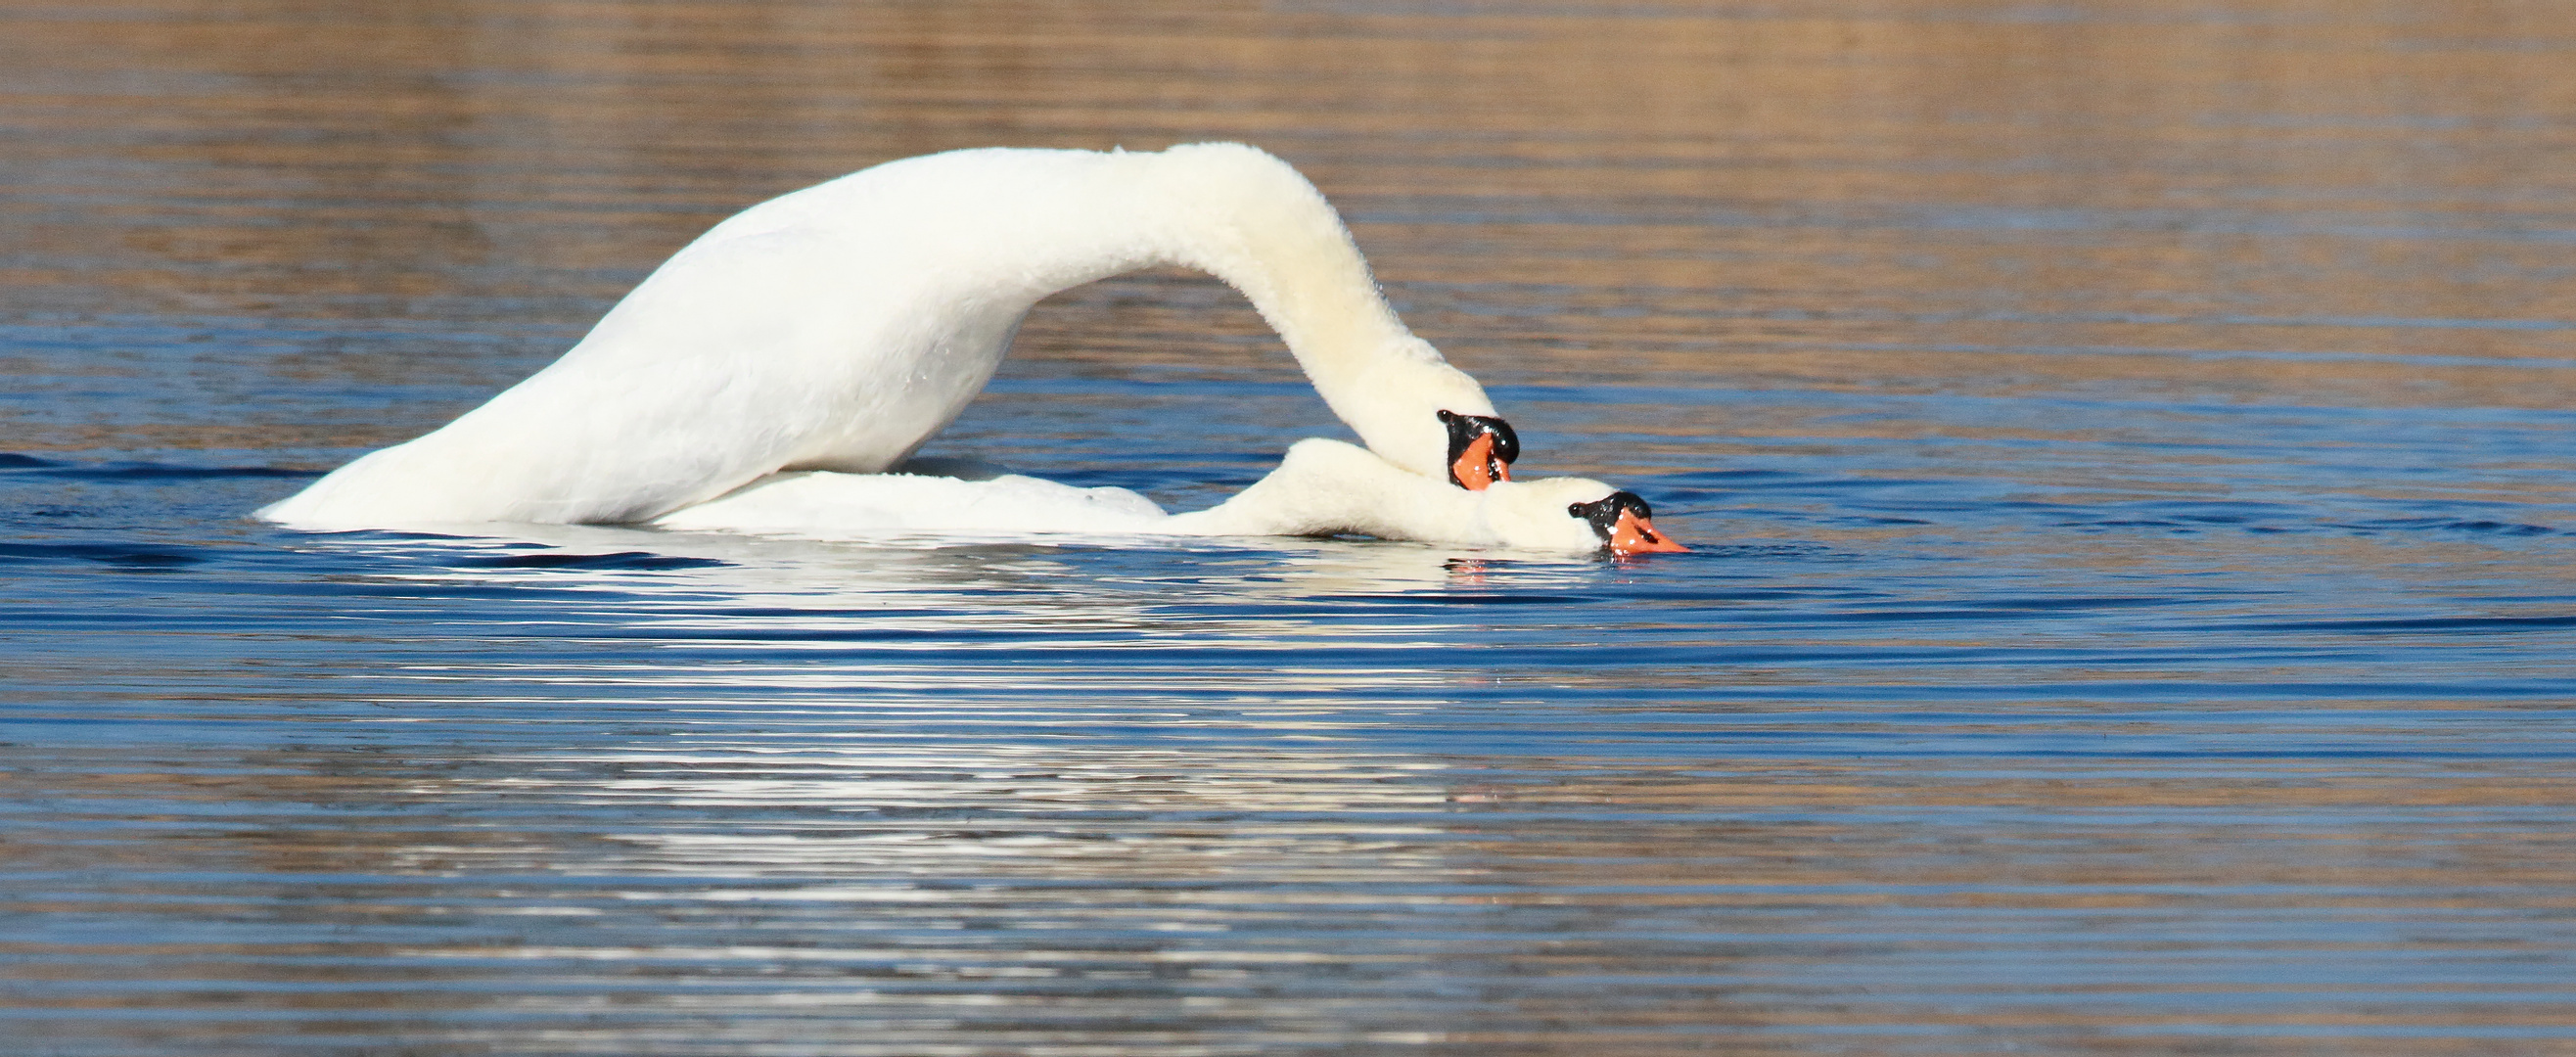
x: 839, y: 327
x: 1322, y: 488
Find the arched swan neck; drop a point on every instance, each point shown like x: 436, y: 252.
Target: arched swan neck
x: 1073, y: 217
x: 1250, y: 219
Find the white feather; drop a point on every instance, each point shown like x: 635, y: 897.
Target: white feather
x: 1322, y: 488
x: 840, y: 326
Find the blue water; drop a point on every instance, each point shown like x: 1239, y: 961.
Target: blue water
x: 2243, y: 722
x: 2125, y: 450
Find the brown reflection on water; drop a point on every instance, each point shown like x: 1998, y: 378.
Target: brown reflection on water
x: 1984, y: 197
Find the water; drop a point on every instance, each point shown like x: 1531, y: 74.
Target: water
x: 2126, y: 447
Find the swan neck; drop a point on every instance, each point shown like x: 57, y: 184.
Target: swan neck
x: 1254, y: 222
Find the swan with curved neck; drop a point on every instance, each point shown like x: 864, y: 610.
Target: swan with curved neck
x: 839, y: 327
x: 1322, y: 488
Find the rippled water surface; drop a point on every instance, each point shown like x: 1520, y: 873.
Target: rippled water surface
x: 2126, y: 446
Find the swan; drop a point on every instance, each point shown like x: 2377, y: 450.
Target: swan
x: 1321, y: 488
x: 840, y: 326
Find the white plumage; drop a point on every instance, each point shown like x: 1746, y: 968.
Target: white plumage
x: 1322, y: 488
x: 839, y: 327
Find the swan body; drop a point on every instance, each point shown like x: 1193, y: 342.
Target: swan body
x: 847, y: 506
x: 838, y: 327
x: 1322, y: 488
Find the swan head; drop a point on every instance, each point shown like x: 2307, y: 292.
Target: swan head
x: 1572, y: 513
x: 1482, y: 449
x: 1416, y: 411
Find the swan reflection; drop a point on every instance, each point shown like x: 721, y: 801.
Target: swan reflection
x: 907, y: 568
x: 830, y: 809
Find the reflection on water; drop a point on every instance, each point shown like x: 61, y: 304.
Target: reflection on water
x: 2129, y: 441
x: 587, y: 797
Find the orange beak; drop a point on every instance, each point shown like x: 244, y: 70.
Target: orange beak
x: 1636, y: 535
x: 1477, y: 469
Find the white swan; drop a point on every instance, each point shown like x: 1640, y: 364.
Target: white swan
x: 1322, y: 488
x: 839, y: 327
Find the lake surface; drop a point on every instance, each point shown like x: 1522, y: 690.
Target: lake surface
x: 2126, y: 447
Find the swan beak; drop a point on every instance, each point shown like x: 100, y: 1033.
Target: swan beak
x: 1636, y: 535
x: 1477, y: 467
x: 1481, y: 449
